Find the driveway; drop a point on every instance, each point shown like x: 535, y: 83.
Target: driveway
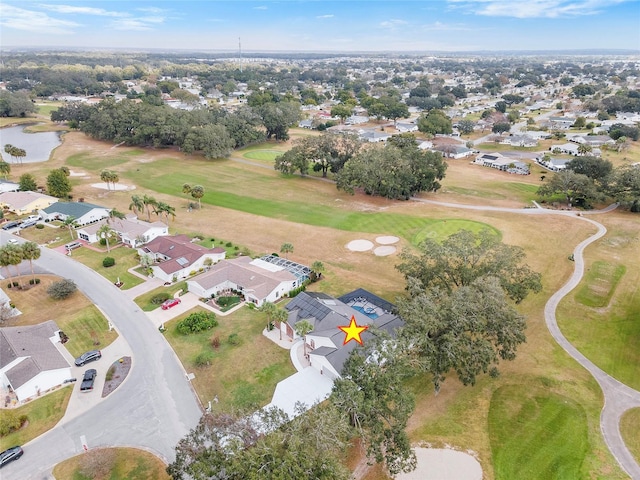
x: 153, y: 409
x: 308, y: 387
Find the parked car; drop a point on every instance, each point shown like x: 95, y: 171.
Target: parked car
x: 10, y: 454
x: 72, y: 245
x: 27, y: 223
x: 13, y: 241
x: 88, y: 380
x: 87, y: 357
x: 10, y: 225
x: 172, y: 302
x: 35, y: 218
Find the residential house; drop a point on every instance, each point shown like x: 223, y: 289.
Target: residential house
x: 82, y: 212
x: 454, y: 151
x: 425, y: 145
x: 554, y: 164
x: 30, y: 363
x: 373, y: 136
x: 7, y: 186
x: 560, y: 123
x: 502, y: 163
x: 22, y: 203
x: 132, y: 231
x: 591, y: 140
x: 177, y: 257
x: 404, y: 127
x: 7, y: 310
x: 259, y: 280
x: 520, y: 141
x: 325, y: 343
x: 356, y: 120
x: 565, y: 148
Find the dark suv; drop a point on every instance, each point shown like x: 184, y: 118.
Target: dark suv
x: 88, y: 379
x: 9, y: 455
x: 87, y: 357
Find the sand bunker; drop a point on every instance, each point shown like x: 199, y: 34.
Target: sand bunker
x: 359, y: 245
x: 384, y: 251
x: 111, y: 186
x: 77, y: 174
x: 387, y: 240
x: 443, y: 464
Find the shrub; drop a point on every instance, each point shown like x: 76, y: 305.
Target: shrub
x: 110, y: 372
x: 215, y: 342
x: 197, y: 322
x: 159, y: 298
x: 226, y: 301
x: 61, y: 289
x: 10, y: 421
x: 108, y: 262
x: 35, y: 281
x: 203, y: 359
x: 228, y: 244
x: 234, y: 339
x: 39, y: 226
x: 103, y: 241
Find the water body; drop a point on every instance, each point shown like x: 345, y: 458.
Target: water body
x: 38, y: 146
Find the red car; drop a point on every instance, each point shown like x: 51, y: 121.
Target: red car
x: 172, y: 302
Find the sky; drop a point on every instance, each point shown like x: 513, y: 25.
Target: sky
x: 318, y: 25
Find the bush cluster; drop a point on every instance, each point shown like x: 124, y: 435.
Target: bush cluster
x: 203, y: 359
x: 61, y: 289
x: 108, y: 262
x: 197, y: 322
x: 34, y: 281
x: 10, y: 421
x: 159, y: 298
x: 226, y: 301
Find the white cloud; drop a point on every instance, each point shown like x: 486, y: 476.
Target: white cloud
x: 69, y: 9
x: 393, y: 23
x: 136, y: 24
x: 32, y: 21
x: 155, y: 10
x: 444, y: 27
x: 325, y: 16
x: 261, y: 7
x: 533, y: 8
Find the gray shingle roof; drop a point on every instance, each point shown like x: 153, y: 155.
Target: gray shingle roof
x: 71, y: 209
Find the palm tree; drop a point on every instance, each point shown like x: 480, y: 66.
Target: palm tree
x: 280, y: 315
x: 302, y: 328
x: 317, y: 268
x: 584, y: 149
x: 197, y: 192
x: 105, y: 175
x: 31, y: 252
x: 269, y: 308
x: 286, y: 248
x: 5, y: 169
x: 10, y: 149
x: 106, y: 232
x: 114, y: 178
x: 149, y: 202
x: 14, y: 257
x: 70, y: 223
x: 4, y: 261
x: 186, y: 188
x: 115, y: 213
x: 164, y: 209
x: 20, y: 153
x: 136, y: 205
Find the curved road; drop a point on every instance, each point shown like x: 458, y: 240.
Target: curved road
x: 154, y: 407
x: 618, y: 397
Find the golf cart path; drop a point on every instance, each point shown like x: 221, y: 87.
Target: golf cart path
x: 618, y: 397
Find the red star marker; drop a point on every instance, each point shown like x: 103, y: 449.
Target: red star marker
x: 353, y: 331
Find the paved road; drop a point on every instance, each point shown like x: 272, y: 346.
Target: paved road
x: 152, y: 409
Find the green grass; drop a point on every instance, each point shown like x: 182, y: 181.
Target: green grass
x: 242, y: 376
x: 48, y: 108
x: 42, y: 415
x: 599, y: 284
x: 264, y: 155
x: 124, y: 257
x: 440, y: 229
x: 536, y: 434
x: 85, y: 329
x: 524, y: 192
x: 144, y: 300
x: 85, y: 160
x: 629, y: 427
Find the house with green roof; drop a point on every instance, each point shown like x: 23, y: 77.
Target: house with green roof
x: 83, y: 213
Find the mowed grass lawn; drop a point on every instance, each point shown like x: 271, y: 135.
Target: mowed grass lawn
x: 242, y: 376
x: 629, y: 427
x: 42, y: 414
x: 536, y: 434
x: 130, y: 463
x: 76, y: 316
x: 144, y: 300
x: 124, y: 257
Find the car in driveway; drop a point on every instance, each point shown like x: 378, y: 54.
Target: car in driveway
x: 86, y: 357
x: 10, y: 225
x: 10, y: 454
x: 88, y: 380
x: 172, y: 302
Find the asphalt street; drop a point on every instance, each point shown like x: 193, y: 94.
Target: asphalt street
x: 152, y: 409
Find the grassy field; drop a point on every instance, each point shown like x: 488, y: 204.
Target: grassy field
x: 42, y: 415
x: 144, y: 300
x: 266, y: 156
x: 242, y: 376
x: 130, y: 463
x: 270, y: 209
x: 629, y: 427
x: 441, y: 229
x: 599, y: 284
x: 536, y: 435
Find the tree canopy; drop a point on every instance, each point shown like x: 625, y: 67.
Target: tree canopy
x: 435, y: 122
x: 58, y: 184
x: 577, y: 188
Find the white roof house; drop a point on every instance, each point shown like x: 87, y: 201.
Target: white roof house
x: 132, y: 231
x: 83, y: 213
x: 30, y: 363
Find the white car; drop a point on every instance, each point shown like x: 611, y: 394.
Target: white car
x: 13, y: 241
x: 34, y: 218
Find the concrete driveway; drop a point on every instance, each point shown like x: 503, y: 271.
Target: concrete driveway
x: 308, y: 387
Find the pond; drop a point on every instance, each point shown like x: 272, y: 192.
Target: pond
x: 38, y: 146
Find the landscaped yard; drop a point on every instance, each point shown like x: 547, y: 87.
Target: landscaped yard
x: 125, y: 259
x: 144, y: 300
x: 42, y: 414
x: 76, y: 316
x: 129, y: 463
x: 241, y: 376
